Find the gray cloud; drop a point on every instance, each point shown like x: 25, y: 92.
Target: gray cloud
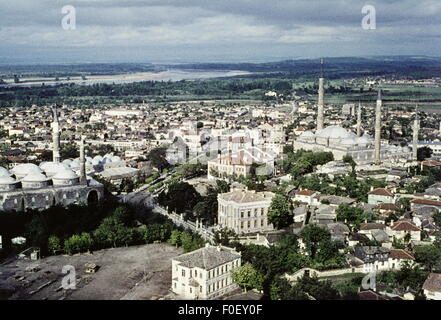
x: 198, y: 29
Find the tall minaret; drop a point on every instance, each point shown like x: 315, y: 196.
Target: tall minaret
x: 378, y: 128
x: 321, y: 99
x: 416, y: 129
x: 56, y: 157
x: 83, y: 177
x: 359, y: 120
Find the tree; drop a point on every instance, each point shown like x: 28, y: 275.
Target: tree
x: 54, y: 244
x: 247, y: 277
x: 280, y: 213
x: 175, y: 238
x: 423, y: 153
x: 223, y: 236
x: 157, y: 157
x: 313, y: 235
x: 180, y: 197
x: 78, y: 243
x: 429, y: 256
x: 112, y: 232
x: 351, y: 215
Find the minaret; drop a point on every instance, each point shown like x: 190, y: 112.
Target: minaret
x: 359, y: 120
x: 321, y: 99
x: 83, y: 177
x: 378, y: 128
x: 416, y: 129
x: 56, y: 157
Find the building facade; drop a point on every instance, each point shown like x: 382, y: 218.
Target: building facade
x: 244, y: 211
x: 205, y: 273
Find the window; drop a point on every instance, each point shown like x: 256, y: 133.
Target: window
x: 200, y: 289
x: 195, y: 273
x: 183, y: 272
x: 191, y: 291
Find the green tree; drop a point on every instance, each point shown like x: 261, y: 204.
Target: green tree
x: 247, y: 277
x: 280, y: 213
x: 54, y: 244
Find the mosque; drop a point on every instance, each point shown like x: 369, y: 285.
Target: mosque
x: 30, y: 186
x: 364, y: 149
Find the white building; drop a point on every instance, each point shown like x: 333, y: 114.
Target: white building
x: 205, y: 273
x: 244, y: 211
x: 432, y: 287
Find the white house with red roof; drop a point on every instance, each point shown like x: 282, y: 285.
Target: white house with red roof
x: 399, y: 256
x: 401, y: 228
x: 380, y: 195
x: 310, y: 197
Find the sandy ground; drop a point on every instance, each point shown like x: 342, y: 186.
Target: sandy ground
x: 173, y: 75
x: 135, y: 273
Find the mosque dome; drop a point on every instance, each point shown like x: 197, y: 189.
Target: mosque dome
x: 51, y: 168
x: 66, y: 174
x: 116, y: 159
x: 87, y: 159
x: 67, y: 161
x: 106, y: 160
x: 35, y: 177
x: 75, y: 164
x: 334, y: 132
x: 95, y: 162
x: 7, y: 180
x: 23, y: 170
x: 307, y: 135
x: 4, y: 172
x: 7, y: 183
x: 348, y: 142
x: 364, y: 140
x: 98, y: 158
x: 65, y: 177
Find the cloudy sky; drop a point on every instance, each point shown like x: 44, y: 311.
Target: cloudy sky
x: 214, y: 30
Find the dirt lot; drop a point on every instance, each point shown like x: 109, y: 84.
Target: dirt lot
x: 140, y: 272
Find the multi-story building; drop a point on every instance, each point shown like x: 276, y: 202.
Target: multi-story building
x: 205, y: 273
x: 244, y: 211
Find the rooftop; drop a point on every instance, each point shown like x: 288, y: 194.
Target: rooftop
x: 208, y: 257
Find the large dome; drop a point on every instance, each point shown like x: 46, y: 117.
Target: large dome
x: 334, y: 132
x: 25, y: 169
x: 365, y: 139
x: 348, y: 142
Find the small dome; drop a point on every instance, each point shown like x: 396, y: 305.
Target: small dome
x: 7, y: 180
x: 87, y: 159
x: 35, y: 177
x: 52, y: 167
x: 67, y: 174
x: 98, y: 158
x: 95, y: 162
x: 107, y: 160
x: 116, y: 159
x: 4, y: 172
x: 348, y: 142
x: 307, y: 134
x: 365, y: 139
x: 75, y: 164
x: 108, y: 156
x: 26, y: 168
x: 67, y: 161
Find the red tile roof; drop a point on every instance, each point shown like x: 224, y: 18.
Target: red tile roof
x: 404, y: 226
x: 427, y: 202
x: 381, y: 192
x: 401, y: 254
x: 305, y: 192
